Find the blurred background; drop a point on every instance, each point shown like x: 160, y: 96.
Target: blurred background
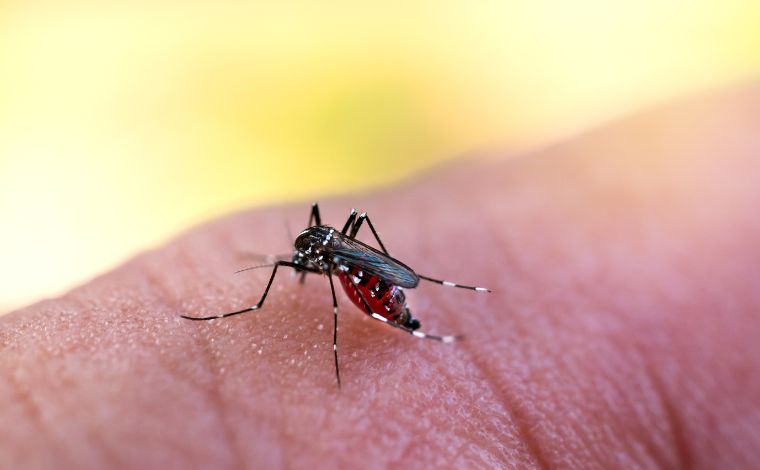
x: 122, y: 123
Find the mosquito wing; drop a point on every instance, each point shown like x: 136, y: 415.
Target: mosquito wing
x: 375, y: 262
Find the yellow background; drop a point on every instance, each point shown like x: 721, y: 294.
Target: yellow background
x: 123, y: 123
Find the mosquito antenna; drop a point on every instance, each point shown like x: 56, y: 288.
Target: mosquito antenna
x: 255, y: 267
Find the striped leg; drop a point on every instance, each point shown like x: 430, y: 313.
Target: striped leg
x: 418, y: 333
x: 335, y: 326
x: 315, y: 215
x: 357, y: 225
x: 263, y: 297
x: 453, y: 284
x: 349, y: 223
x: 415, y: 333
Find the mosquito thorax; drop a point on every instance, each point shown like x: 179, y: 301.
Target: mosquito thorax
x: 315, y: 240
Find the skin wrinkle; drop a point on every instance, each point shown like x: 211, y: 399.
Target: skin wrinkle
x: 681, y: 446
x: 525, y: 435
x: 65, y: 456
x: 620, y: 396
x: 616, y: 408
x: 96, y: 442
x: 213, y: 391
x: 204, y: 349
x: 403, y: 457
x: 638, y: 355
x: 496, y: 434
x: 657, y: 444
x: 656, y: 453
x: 32, y: 410
x: 633, y: 434
x: 45, y: 428
x: 460, y: 383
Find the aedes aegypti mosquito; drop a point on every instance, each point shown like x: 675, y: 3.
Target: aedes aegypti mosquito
x: 372, y: 279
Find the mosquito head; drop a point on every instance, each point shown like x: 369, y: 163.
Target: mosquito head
x: 313, y: 246
x: 409, y: 321
x: 299, y: 259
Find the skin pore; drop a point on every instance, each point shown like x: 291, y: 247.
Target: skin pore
x: 622, y: 331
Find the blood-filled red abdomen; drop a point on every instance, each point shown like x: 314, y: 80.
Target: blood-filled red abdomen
x: 383, y: 299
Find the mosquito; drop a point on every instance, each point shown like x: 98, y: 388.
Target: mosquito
x: 372, y: 278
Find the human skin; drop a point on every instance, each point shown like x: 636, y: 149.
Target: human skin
x: 622, y: 331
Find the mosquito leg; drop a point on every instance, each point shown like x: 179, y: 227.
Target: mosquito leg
x: 453, y: 284
x: 415, y: 333
x: 357, y: 225
x: 351, y: 220
x: 317, y: 220
x: 263, y: 297
x: 418, y: 333
x: 335, y: 326
x: 315, y: 215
